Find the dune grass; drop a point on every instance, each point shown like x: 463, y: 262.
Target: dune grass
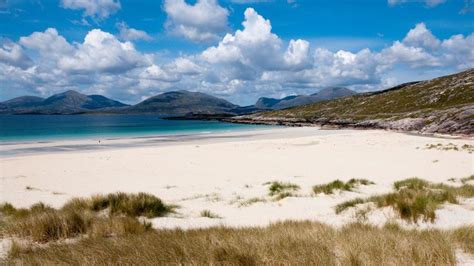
x: 141, y: 204
x: 250, y: 201
x: 83, y: 217
x: 329, y: 188
x: 288, y: 243
x: 280, y: 190
x: 415, y: 198
x: 209, y: 214
x: 467, y: 179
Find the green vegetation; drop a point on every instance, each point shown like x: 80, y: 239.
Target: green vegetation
x: 141, y: 204
x: 82, y: 217
x: 348, y: 204
x: 209, y: 214
x: 251, y: 201
x: 415, y: 198
x: 340, y: 185
x: 437, y: 94
x: 449, y: 147
x: 288, y: 243
x: 280, y: 190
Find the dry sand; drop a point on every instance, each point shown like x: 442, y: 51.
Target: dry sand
x: 218, y: 172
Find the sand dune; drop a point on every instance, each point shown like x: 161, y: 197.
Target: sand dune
x: 225, y: 173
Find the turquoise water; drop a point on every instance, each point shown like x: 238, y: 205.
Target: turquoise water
x: 51, y: 127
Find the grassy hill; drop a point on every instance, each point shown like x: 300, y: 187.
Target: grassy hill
x: 441, y: 105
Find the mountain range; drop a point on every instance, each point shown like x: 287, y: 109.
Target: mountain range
x: 297, y: 100
x: 441, y: 105
x: 69, y: 102
x: 177, y: 103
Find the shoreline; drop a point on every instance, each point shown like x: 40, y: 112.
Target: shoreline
x: 335, y: 125
x: 25, y: 148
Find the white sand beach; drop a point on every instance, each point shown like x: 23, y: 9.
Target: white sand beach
x: 225, y: 172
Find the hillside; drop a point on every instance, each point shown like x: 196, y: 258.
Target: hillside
x: 440, y: 105
x: 68, y: 102
x: 181, y: 103
x: 297, y: 100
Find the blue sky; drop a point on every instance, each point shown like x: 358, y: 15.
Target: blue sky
x: 287, y: 47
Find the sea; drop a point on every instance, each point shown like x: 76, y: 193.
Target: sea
x: 14, y: 128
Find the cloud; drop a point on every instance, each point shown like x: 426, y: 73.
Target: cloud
x: 399, y: 53
x: 12, y: 54
x: 297, y: 54
x: 49, y: 43
x: 420, y: 36
x: 458, y: 51
x: 248, y: 63
x: 428, y: 3
x: 102, y: 52
x: 204, y: 21
x: 131, y: 34
x: 93, y: 8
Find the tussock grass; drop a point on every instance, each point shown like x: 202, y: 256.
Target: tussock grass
x: 209, y: 214
x: 464, y: 236
x: 340, y: 185
x: 50, y: 225
x: 117, y: 226
x: 348, y: 204
x: 415, y: 198
x: 279, y: 187
x: 411, y: 183
x: 83, y: 217
x: 251, y: 201
x: 288, y: 243
x: 280, y: 190
x: 141, y: 204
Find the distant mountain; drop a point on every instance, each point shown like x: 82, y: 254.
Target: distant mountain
x: 68, y: 102
x: 297, y: 100
x: 23, y: 101
x: 181, y: 103
x: 441, y: 105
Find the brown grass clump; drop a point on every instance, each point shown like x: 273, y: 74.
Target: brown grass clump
x: 82, y: 217
x: 288, y: 243
x: 340, y: 185
x: 209, y: 214
x: 50, y: 225
x: 141, y: 204
x: 415, y: 198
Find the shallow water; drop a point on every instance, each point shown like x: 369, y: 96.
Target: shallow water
x: 53, y: 127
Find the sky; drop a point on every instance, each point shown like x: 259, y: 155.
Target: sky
x: 239, y: 50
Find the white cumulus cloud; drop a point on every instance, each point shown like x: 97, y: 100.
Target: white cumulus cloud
x: 204, y: 21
